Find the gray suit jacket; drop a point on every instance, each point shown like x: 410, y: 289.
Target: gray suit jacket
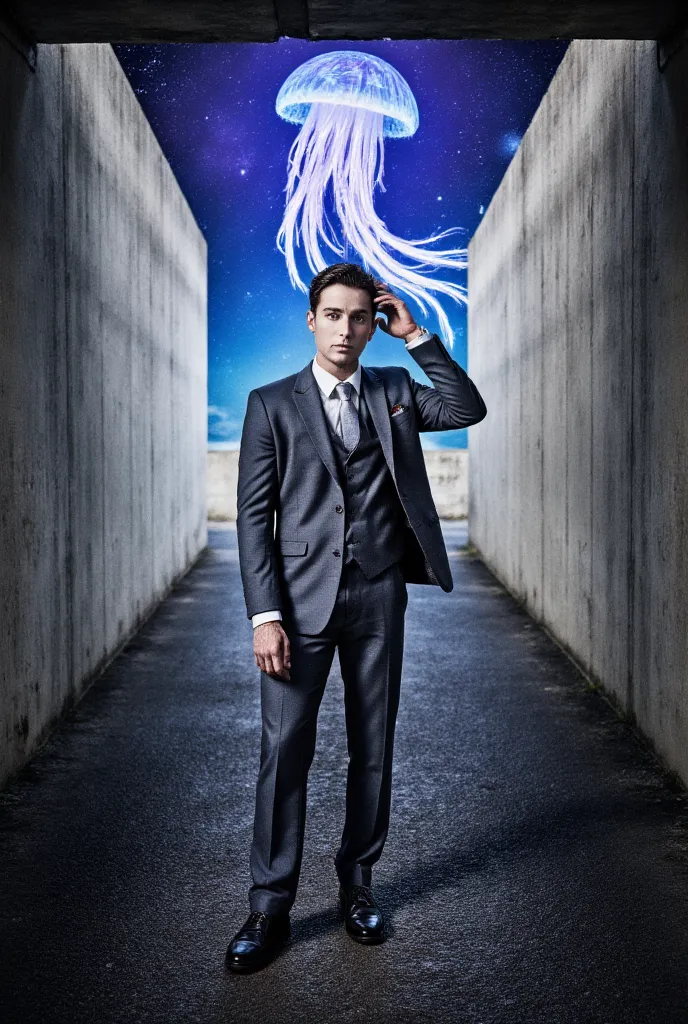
x: 287, y: 524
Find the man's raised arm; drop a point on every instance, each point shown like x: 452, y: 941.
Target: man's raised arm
x: 454, y: 401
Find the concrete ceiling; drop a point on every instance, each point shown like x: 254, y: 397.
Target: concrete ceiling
x: 81, y: 21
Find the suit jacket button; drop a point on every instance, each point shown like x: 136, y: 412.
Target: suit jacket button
x: 338, y: 508
x: 336, y: 554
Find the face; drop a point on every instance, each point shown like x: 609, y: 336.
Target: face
x: 343, y: 324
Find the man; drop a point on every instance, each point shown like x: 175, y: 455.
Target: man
x: 335, y: 516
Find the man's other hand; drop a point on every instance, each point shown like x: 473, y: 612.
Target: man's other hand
x: 271, y: 649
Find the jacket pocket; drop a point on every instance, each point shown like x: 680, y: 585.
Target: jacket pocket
x: 401, y: 417
x: 293, y: 547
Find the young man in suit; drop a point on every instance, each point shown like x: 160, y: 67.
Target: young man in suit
x: 334, y: 517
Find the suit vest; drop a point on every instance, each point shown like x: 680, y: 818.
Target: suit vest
x: 375, y: 519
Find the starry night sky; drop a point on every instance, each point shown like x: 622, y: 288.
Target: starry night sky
x: 212, y: 108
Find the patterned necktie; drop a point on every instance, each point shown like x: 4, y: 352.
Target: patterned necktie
x: 348, y: 421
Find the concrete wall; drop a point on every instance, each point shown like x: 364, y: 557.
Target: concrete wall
x: 447, y: 470
x: 578, y: 341
x: 102, y: 380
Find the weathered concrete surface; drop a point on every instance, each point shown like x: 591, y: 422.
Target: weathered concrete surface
x: 223, y: 476
x: 536, y: 870
x: 577, y: 339
x: 102, y: 380
x: 447, y: 471
x: 216, y: 20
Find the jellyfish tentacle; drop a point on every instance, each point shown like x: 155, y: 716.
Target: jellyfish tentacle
x: 369, y: 236
x: 304, y: 192
x: 306, y: 188
x: 342, y: 147
x: 454, y: 258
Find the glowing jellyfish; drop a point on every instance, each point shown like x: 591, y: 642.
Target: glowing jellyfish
x: 347, y: 102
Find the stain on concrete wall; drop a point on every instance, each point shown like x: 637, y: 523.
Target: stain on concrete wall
x: 103, y: 355
x: 578, y: 333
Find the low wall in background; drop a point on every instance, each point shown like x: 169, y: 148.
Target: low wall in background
x: 578, y: 341
x: 103, y: 393
x: 447, y: 471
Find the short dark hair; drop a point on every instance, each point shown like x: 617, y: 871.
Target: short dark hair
x: 349, y: 274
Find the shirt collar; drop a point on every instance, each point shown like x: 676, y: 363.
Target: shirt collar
x: 327, y: 382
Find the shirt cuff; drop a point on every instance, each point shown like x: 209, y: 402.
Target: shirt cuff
x: 261, y: 617
x: 423, y: 337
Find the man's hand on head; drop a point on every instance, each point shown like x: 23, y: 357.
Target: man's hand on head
x: 271, y: 649
x: 400, y: 323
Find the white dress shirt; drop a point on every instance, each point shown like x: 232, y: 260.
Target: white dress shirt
x: 329, y: 396
x: 332, y: 406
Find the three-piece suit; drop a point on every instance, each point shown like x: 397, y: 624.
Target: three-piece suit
x: 329, y: 536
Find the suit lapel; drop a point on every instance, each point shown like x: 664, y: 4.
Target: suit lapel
x: 306, y: 395
x: 376, y: 399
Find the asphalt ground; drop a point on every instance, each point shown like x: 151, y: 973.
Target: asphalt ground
x: 536, y: 868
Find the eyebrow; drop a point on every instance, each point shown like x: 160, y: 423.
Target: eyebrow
x: 335, y: 309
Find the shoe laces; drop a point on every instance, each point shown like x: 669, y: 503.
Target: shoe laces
x: 255, y: 920
x: 362, y: 893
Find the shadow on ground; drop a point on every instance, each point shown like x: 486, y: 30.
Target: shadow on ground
x: 535, y: 871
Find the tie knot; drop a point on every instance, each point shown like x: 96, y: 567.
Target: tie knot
x: 344, y: 390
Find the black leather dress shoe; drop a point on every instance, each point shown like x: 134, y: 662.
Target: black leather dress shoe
x: 257, y: 941
x: 362, y: 917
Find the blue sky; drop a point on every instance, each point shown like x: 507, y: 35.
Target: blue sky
x: 212, y: 108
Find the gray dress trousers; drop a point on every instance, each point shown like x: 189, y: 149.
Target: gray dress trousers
x: 367, y: 629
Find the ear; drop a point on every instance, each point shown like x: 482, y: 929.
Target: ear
x: 309, y: 319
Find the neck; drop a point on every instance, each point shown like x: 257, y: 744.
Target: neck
x: 340, y: 372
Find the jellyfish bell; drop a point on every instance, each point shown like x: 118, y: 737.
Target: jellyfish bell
x: 348, y: 78
x: 346, y: 103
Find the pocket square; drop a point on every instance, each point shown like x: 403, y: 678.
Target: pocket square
x: 396, y: 409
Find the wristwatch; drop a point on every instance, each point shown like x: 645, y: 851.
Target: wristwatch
x: 424, y: 335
